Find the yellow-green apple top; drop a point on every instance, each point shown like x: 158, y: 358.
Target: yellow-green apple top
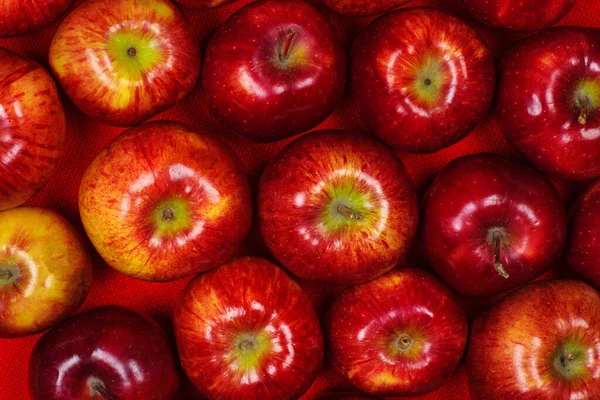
x: 162, y: 202
x: 45, y: 270
x: 123, y: 61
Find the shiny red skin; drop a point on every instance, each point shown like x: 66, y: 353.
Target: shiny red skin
x: 129, y: 355
x: 345, y: 396
x: 256, y: 96
x: 204, y: 3
x: 474, y: 194
x: 18, y: 17
x: 583, y: 249
x: 359, y: 8
x: 400, y: 300
x: 512, y: 345
x: 290, y: 230
x: 32, y: 128
x: 381, y: 79
x: 519, y: 15
x: 248, y: 295
x: 537, y: 113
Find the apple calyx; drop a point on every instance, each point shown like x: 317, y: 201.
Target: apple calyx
x: 583, y: 114
x: 131, y: 52
x: 168, y: 215
x: 404, y: 342
x: 8, y: 275
x: 246, y: 346
x: 497, y: 238
x: 284, y: 52
x: 348, y: 212
x: 569, y: 361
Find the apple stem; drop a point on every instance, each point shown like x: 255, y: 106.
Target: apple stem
x: 6, y: 275
x: 287, y: 44
x: 131, y: 52
x: 168, y: 215
x: 246, y: 345
x: 404, y: 342
x: 497, y: 263
x: 583, y: 115
x: 99, y: 388
x: 353, y: 215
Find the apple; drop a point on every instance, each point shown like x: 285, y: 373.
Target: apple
x: 491, y: 224
x: 398, y: 335
x: 45, y: 270
x: 204, y: 3
x: 518, y: 14
x: 540, y: 342
x: 18, y: 17
x: 548, y: 101
x: 337, y: 207
x: 247, y: 331
x: 122, y: 62
x: 361, y: 8
x: 274, y: 69
x: 583, y: 249
x: 107, y: 353
x: 421, y: 79
x: 162, y: 202
x: 345, y: 396
x: 32, y: 128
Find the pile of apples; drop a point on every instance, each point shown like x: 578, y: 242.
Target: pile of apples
x: 164, y: 201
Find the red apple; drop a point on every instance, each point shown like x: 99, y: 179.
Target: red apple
x: 530, y: 15
x: 107, y: 353
x: 363, y: 7
x: 124, y: 61
x: 421, y: 79
x: 18, y: 17
x: 45, y: 270
x: 274, y: 69
x: 337, y: 207
x: 32, y: 128
x: 162, y: 202
x: 401, y: 334
x: 204, y: 3
x: 247, y: 331
x: 491, y: 224
x: 540, y: 342
x: 583, y: 249
x: 345, y: 396
x: 548, y: 101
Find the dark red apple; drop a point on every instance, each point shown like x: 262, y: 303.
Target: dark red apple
x: 247, y: 331
x: 274, y: 69
x: 528, y: 15
x: 401, y: 334
x: 421, y: 79
x: 491, y: 224
x: 337, y: 207
x: 32, y: 128
x: 345, y: 396
x: 204, y: 3
x: 541, y: 342
x: 359, y: 8
x: 549, y: 99
x: 108, y: 353
x: 18, y: 17
x: 123, y: 61
x: 162, y: 202
x: 583, y: 250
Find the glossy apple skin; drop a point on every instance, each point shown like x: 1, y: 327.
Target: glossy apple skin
x: 583, y: 250
x: 18, y: 17
x: 102, y: 81
x: 140, y: 170
x: 254, y: 93
x: 512, y: 345
x: 32, y: 128
x: 361, y: 8
x: 518, y: 14
x: 109, y: 352
x: 50, y: 268
x: 345, y: 396
x: 294, y: 194
x: 204, y: 3
x: 366, y: 320
x: 476, y: 194
x: 248, y: 296
x: 386, y: 63
x: 536, y: 111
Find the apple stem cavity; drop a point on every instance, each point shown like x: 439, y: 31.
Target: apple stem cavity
x: 404, y: 342
x: 497, y: 236
x: 583, y: 114
x: 246, y: 346
x: 168, y: 215
x: 97, y: 386
x: 287, y: 44
x: 131, y: 52
x: 352, y: 215
x: 6, y: 275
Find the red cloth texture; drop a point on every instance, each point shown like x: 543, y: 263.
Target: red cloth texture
x: 86, y: 138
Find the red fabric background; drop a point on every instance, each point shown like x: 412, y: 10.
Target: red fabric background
x: 87, y: 138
